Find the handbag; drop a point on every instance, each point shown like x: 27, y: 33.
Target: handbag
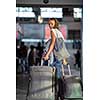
x: 60, y: 50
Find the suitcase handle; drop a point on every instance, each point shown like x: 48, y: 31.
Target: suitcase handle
x: 42, y: 61
x: 69, y: 69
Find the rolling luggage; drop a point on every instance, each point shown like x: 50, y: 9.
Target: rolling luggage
x: 73, y: 87
x: 42, y: 83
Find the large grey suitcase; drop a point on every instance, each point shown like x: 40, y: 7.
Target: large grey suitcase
x: 42, y: 83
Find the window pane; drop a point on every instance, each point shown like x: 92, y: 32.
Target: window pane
x: 24, y: 12
x: 51, y: 12
x: 77, y: 12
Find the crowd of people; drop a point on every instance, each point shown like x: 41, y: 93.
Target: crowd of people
x: 27, y: 56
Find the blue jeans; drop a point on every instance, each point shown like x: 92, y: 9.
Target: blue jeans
x: 59, y: 88
x: 58, y: 65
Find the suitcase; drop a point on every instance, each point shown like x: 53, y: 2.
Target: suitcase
x: 73, y: 86
x: 42, y: 83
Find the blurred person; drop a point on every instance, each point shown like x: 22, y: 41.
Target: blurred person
x: 77, y: 59
x: 17, y: 55
x: 31, y: 57
x: 39, y: 51
x: 19, y: 31
x: 23, y: 56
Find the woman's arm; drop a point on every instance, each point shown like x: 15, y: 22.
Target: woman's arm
x: 53, y: 39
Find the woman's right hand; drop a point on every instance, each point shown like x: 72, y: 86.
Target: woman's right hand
x: 46, y: 57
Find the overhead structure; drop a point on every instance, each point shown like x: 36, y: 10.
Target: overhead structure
x: 49, y: 3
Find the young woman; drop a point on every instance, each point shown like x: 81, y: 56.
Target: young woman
x: 55, y: 33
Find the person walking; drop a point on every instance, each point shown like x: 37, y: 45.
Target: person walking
x: 55, y: 33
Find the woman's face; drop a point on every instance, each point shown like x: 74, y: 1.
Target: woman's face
x: 51, y: 23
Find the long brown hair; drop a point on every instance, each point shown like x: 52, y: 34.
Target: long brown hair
x: 56, y: 22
